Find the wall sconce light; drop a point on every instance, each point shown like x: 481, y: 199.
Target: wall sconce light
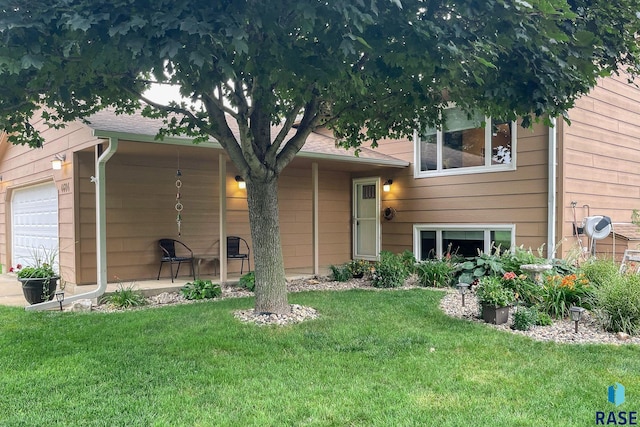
x: 386, y: 187
x: 241, y: 183
x: 60, y: 298
x: 56, y: 163
x: 462, y: 288
x: 576, y: 314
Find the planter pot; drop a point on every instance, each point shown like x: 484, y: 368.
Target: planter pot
x: 495, y: 315
x: 37, y: 290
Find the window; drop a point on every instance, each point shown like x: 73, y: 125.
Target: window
x: 435, y: 240
x: 462, y: 146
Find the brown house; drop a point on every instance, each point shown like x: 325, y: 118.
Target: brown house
x: 467, y: 187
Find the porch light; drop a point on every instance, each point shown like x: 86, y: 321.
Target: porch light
x: 60, y: 298
x: 386, y: 187
x: 462, y: 288
x: 241, y: 183
x: 576, y: 314
x: 56, y: 163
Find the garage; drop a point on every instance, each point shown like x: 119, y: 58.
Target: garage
x: 34, y: 222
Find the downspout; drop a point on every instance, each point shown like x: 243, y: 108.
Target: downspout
x: 551, y: 191
x: 101, y: 234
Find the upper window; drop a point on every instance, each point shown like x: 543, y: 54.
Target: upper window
x: 464, y: 145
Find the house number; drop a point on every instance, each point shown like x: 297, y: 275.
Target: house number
x: 65, y: 188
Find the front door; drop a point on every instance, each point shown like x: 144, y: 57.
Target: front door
x: 366, y: 218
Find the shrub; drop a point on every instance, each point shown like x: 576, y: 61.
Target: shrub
x: 436, y: 273
x: 201, y: 289
x: 491, y: 291
x: 248, y: 281
x: 524, y: 318
x: 125, y: 297
x: 389, y: 272
x: 358, y: 267
x: 409, y: 261
x: 599, y: 272
x: 543, y: 319
x: 340, y: 273
x: 481, y: 266
x: 617, y: 304
x: 525, y: 291
x: 561, y: 292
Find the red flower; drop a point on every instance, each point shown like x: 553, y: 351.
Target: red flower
x: 19, y: 266
x: 10, y: 269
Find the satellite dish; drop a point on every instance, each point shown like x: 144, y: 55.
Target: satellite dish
x: 597, y: 227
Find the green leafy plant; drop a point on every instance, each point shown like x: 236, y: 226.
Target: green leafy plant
x: 42, y: 265
x: 617, y: 304
x: 409, y: 261
x: 599, y: 272
x: 248, y: 281
x: 561, y: 292
x: 340, y: 273
x: 436, y: 273
x: 524, y: 318
x: 525, y: 291
x: 481, y: 266
x: 125, y: 297
x: 543, y: 319
x: 201, y: 289
x: 491, y: 291
x: 359, y: 267
x: 389, y: 272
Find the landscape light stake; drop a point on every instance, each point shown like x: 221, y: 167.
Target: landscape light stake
x: 462, y: 288
x: 576, y: 314
x: 60, y: 298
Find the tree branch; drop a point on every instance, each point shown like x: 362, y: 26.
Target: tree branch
x: 309, y: 121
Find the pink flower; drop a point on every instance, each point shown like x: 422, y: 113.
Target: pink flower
x: 19, y: 266
x: 509, y: 275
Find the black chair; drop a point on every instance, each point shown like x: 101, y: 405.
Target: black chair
x: 233, y: 251
x: 168, y: 254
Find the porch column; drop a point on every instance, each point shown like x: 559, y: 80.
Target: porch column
x: 222, y: 194
x: 315, y: 237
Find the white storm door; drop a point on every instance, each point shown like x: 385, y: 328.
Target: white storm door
x: 34, y: 223
x: 366, y: 218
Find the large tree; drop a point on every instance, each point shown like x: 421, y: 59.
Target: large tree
x: 367, y: 69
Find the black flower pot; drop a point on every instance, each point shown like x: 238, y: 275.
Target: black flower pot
x: 37, y: 289
x: 495, y: 315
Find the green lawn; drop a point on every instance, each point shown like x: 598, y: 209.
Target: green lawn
x: 367, y: 361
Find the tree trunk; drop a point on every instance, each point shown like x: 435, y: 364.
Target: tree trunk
x: 271, y: 286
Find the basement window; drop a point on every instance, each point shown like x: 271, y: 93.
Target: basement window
x: 431, y: 241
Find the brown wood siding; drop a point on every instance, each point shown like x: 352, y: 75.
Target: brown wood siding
x: 22, y: 166
x: 514, y: 197
x: 600, y: 158
x: 140, y: 204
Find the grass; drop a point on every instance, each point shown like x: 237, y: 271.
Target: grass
x: 372, y: 359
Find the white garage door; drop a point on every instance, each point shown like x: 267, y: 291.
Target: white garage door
x: 34, y: 223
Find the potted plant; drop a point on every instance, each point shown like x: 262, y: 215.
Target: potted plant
x: 39, y: 281
x: 495, y: 299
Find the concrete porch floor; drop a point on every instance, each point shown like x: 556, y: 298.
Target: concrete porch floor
x: 11, y: 289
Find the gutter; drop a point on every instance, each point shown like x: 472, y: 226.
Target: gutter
x: 101, y: 234
x: 551, y: 191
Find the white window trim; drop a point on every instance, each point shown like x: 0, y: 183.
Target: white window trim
x: 488, y: 167
x: 439, y: 228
